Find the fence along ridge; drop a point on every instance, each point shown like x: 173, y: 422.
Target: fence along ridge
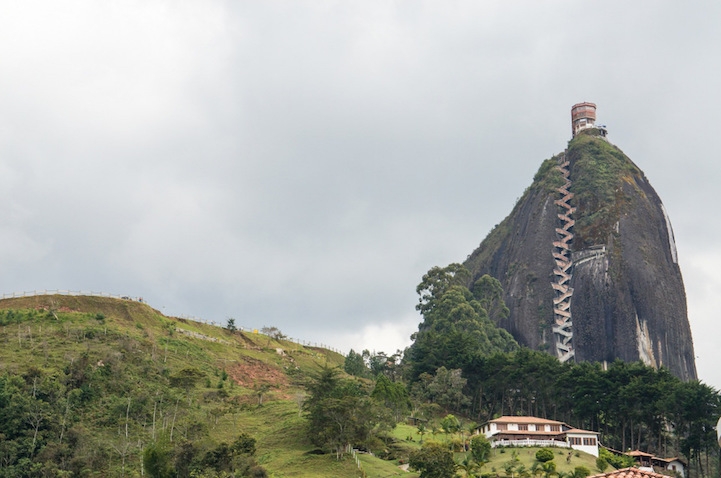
x: 17, y: 295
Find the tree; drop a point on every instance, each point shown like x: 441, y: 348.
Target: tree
x: 339, y: 411
x: 436, y: 282
x: 450, y: 424
x: 488, y: 291
x: 260, y: 391
x: 548, y: 468
x: 421, y: 430
x: 513, y: 466
x: 185, y: 454
x: 469, y: 467
x: 446, y: 389
x: 392, y: 395
x: 230, y: 325
x: 433, y: 460
x: 616, y: 461
x: 354, y: 364
x: 480, y: 449
x: 455, y: 328
x: 236, y: 458
x: 378, y: 363
x: 273, y: 333
x: 186, y: 378
x: 244, y: 445
x: 157, y: 460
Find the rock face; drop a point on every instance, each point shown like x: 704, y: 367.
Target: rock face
x: 628, y: 300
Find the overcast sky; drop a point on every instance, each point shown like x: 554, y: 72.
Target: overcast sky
x: 301, y: 165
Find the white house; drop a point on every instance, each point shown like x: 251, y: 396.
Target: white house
x: 674, y: 464
x: 534, y: 431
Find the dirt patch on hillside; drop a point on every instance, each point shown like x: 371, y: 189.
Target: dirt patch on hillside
x: 251, y: 372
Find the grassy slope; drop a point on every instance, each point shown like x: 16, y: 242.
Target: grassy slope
x: 527, y: 457
x: 136, y: 341
x: 140, y: 348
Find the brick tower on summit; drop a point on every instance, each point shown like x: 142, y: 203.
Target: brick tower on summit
x: 583, y: 116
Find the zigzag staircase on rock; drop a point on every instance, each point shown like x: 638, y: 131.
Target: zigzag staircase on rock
x: 563, y: 325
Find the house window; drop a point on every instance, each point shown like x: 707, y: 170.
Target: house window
x: 574, y: 440
x: 555, y: 428
x: 523, y: 427
x: 502, y: 426
x: 589, y: 441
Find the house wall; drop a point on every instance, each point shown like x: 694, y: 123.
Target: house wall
x: 678, y: 467
x: 583, y: 442
x: 493, y: 428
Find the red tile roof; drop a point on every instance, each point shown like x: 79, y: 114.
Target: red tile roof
x: 669, y: 460
x: 629, y: 473
x: 510, y: 419
x: 638, y: 453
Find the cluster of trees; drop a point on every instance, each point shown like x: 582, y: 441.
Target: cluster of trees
x: 44, y: 418
x: 632, y: 405
x: 163, y: 460
x: 106, y: 404
x: 461, y: 362
x: 347, y: 411
x: 370, y: 365
x: 459, y: 323
x: 436, y: 460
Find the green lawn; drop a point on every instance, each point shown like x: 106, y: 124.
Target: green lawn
x: 527, y: 456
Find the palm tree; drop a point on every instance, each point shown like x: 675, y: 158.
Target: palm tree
x: 469, y: 467
x: 549, y: 469
x: 421, y: 430
x: 523, y: 472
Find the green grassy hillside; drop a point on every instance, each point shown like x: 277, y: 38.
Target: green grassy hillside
x: 88, y: 383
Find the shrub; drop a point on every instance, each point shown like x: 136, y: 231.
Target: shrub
x: 544, y: 454
x: 433, y: 460
x: 581, y: 472
x: 616, y: 461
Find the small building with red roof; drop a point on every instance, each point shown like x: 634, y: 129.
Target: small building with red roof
x: 646, y: 461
